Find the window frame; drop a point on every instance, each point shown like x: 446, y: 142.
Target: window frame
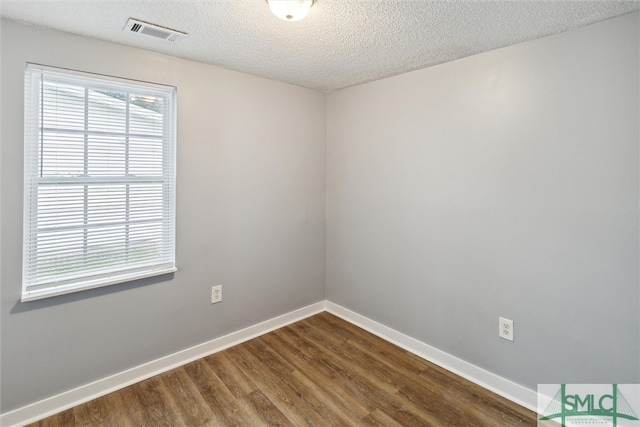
x: 34, y: 286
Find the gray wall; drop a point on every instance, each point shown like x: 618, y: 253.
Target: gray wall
x: 504, y: 184
x: 251, y: 184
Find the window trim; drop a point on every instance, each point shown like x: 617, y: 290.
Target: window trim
x: 127, y: 272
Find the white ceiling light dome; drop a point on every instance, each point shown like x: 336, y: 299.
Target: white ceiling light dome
x: 290, y: 10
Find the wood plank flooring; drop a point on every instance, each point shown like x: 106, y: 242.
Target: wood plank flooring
x: 321, y: 371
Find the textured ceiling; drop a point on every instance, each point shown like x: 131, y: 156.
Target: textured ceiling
x: 340, y: 43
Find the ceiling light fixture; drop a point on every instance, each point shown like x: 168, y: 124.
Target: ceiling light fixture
x: 290, y: 10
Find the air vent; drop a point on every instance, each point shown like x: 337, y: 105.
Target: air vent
x: 153, y: 30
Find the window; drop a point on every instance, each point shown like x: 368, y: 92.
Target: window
x: 99, y: 181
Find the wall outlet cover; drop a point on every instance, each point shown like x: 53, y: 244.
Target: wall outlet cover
x: 505, y: 328
x: 216, y: 294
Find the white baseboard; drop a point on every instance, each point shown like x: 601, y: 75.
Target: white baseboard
x: 68, y: 399
x: 497, y: 384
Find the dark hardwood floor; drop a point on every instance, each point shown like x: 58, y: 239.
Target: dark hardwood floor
x: 321, y: 371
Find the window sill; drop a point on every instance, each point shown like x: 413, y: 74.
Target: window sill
x: 92, y: 284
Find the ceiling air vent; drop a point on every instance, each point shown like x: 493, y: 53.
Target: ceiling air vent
x: 153, y: 30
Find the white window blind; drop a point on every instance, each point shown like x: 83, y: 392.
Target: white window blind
x: 99, y: 184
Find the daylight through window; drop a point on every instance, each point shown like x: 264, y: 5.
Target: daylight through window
x: 99, y: 181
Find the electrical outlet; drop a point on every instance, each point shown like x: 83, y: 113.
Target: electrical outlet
x: 216, y: 294
x: 505, y: 328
